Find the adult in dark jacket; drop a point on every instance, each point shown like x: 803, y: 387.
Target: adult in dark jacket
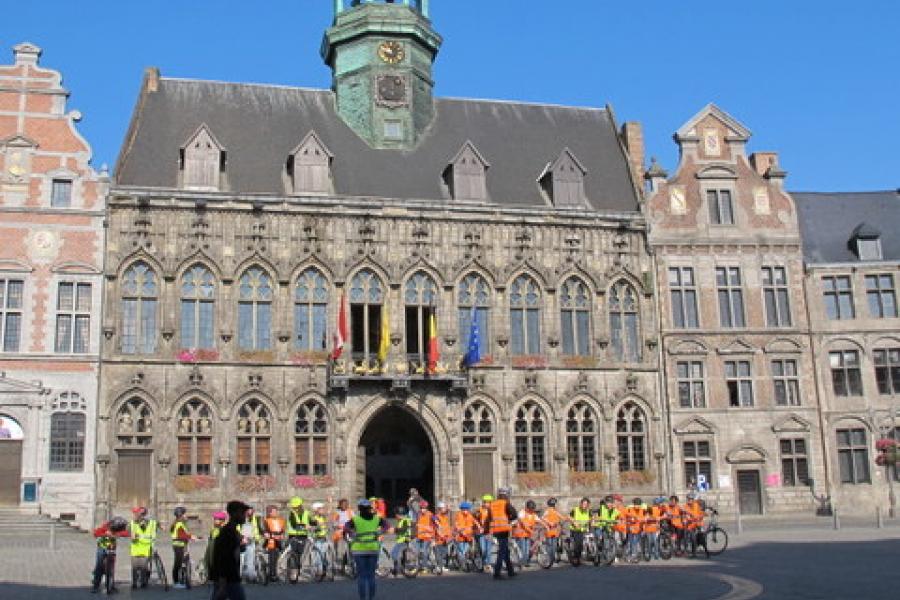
x: 225, y: 570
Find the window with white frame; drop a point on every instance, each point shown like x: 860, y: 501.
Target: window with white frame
x: 786, y: 382
x: 887, y: 370
x: 837, y: 292
x: 575, y: 313
x: 881, y: 295
x: 739, y: 382
x: 731, y: 297
x: 530, y: 438
x: 775, y: 296
x: 846, y: 376
x: 721, y: 209
x: 525, y: 316
x: 73, y: 317
x: 682, y: 286
x: 853, y: 455
x: 691, y: 384
x: 198, y: 292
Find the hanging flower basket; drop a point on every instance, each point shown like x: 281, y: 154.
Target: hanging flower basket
x: 586, y: 479
x: 534, y: 480
x: 193, y: 483
x: 254, y: 484
x: 312, y: 482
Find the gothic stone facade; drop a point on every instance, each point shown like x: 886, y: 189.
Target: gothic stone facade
x: 51, y: 255
x: 741, y: 398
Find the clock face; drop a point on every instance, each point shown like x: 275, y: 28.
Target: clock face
x: 391, y: 88
x: 391, y: 52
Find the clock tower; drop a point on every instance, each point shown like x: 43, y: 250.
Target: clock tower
x: 381, y: 54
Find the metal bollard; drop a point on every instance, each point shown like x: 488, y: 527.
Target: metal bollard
x: 739, y: 522
x: 837, y: 519
x: 879, y: 519
x: 53, y: 536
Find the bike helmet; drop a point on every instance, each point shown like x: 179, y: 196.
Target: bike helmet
x: 530, y: 505
x: 441, y: 505
x: 636, y: 502
x: 363, y: 503
x: 423, y: 504
x: 400, y: 510
x: 296, y: 502
x: 586, y: 499
x: 503, y: 492
x: 318, y: 505
x: 180, y: 511
x: 487, y: 498
x: 465, y: 506
x: 609, y: 499
x: 692, y: 496
x: 659, y: 500
x: 220, y: 515
x: 118, y: 524
x: 551, y: 502
x: 139, y: 511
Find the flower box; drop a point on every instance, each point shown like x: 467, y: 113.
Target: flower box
x: 534, y: 480
x: 254, y: 484
x: 529, y: 361
x: 194, y: 483
x: 586, y: 479
x: 635, y: 478
x: 578, y: 362
x: 194, y: 355
x: 308, y: 359
x: 312, y: 482
x: 257, y: 355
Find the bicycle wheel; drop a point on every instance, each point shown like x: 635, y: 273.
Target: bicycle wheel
x: 665, y: 545
x: 186, y: 570
x: 436, y: 567
x: 293, y: 567
x: 646, y: 550
x: 160, y: 572
x: 544, y: 560
x: 716, y: 541
x: 608, y: 550
x: 385, y: 563
x: 515, y: 557
x: 109, y: 572
x: 262, y: 568
x: 477, y: 557
x: 409, y: 563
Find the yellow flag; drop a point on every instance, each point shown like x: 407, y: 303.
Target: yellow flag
x: 384, y: 343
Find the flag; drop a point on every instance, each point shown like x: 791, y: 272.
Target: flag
x: 340, y: 332
x: 433, y: 352
x: 384, y: 342
x: 473, y: 351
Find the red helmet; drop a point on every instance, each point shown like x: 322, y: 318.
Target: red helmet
x: 139, y: 511
x: 423, y: 504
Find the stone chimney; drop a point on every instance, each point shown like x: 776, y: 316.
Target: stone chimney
x: 633, y: 139
x: 761, y: 161
x: 26, y: 53
x: 151, y: 79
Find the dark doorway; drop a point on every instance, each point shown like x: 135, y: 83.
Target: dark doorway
x: 749, y: 497
x: 398, y: 456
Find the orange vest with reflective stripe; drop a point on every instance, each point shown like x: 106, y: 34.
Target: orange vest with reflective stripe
x: 620, y: 522
x: 444, y: 530
x: 482, y: 515
x: 524, y: 527
x: 694, y: 515
x: 634, y: 519
x: 499, y: 520
x: 651, y: 519
x: 675, y: 515
x: 464, y: 522
x: 553, y: 519
x: 424, y: 526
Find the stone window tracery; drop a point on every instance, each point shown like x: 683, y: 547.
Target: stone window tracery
x: 134, y: 423
x: 255, y: 310
x: 575, y: 312
x: 67, y: 433
x: 623, y: 323
x: 311, y: 439
x: 420, y: 297
x: 366, y: 299
x: 582, y: 438
x: 311, y: 311
x: 631, y: 438
x: 530, y: 438
x: 477, y: 425
x: 194, y: 438
x: 140, y: 293
x: 525, y: 316
x: 474, y: 301
x: 198, y: 290
x: 254, y: 437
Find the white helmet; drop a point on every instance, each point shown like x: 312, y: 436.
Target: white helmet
x: 317, y: 505
x: 441, y: 505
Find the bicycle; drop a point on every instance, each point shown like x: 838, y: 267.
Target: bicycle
x: 540, y: 548
x: 321, y: 559
x: 515, y: 556
x: 185, y: 570
x: 108, y: 573
x: 426, y: 559
x: 712, y: 535
x: 606, y: 543
x: 343, y: 558
x: 406, y: 562
x: 156, y: 571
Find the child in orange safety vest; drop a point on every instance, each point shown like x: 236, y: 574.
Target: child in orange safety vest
x: 425, y: 529
x: 465, y: 526
x: 443, y: 532
x: 552, y: 520
x: 523, y: 530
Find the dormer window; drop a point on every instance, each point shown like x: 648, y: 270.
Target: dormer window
x: 866, y: 242
x: 309, y: 167
x: 466, y: 174
x: 563, y: 181
x: 202, y: 162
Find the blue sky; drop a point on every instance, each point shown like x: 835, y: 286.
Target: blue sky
x: 817, y: 81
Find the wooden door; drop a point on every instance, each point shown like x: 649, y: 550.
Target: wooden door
x: 749, y: 493
x: 133, y: 479
x: 10, y: 472
x: 478, y: 468
x: 361, y: 472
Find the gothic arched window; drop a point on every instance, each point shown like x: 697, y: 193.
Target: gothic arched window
x: 420, y: 297
x: 474, y: 298
x: 198, y: 291
x: 134, y: 423
x: 531, y: 438
x: 255, y: 310
x: 477, y: 425
x: 582, y: 437
x: 254, y: 439
x: 311, y: 439
x: 194, y: 438
x: 366, y: 298
x: 311, y: 311
x: 140, y: 293
x: 575, y: 312
x: 623, y: 323
x: 631, y: 438
x: 525, y: 316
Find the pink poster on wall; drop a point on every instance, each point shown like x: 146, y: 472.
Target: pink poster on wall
x: 773, y: 480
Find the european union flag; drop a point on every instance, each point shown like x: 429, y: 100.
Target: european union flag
x: 473, y: 352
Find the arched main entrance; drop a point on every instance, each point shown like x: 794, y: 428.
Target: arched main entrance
x: 11, y: 436
x: 396, y: 454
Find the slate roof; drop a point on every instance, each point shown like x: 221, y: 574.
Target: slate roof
x: 828, y: 221
x: 259, y: 125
